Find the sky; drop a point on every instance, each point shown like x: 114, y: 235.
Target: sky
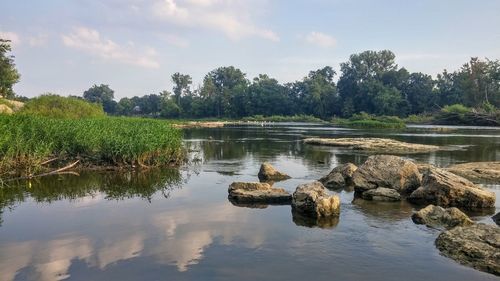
x: 66, y: 46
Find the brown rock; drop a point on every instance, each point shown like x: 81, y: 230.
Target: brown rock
x: 477, y: 171
x: 477, y: 246
x: 443, y: 188
x: 435, y: 216
x: 256, y: 192
x: 387, y: 171
x: 339, y: 177
x: 312, y: 199
x: 268, y: 173
x: 381, y: 194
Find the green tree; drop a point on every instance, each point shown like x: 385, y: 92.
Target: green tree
x: 102, y: 94
x: 8, y: 72
x: 182, y: 85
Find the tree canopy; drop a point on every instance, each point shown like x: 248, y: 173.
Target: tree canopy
x: 8, y: 72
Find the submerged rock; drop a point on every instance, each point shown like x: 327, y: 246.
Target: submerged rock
x: 381, y: 194
x: 268, y: 173
x: 496, y: 218
x: 312, y: 199
x: 477, y: 171
x: 339, y: 177
x: 256, y: 192
x: 374, y: 144
x: 387, y: 171
x: 435, y: 216
x: 477, y: 245
x: 442, y: 188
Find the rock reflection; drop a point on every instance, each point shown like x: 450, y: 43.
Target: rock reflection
x: 311, y: 222
x: 384, y: 211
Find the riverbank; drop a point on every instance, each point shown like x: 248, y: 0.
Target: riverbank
x: 32, y: 145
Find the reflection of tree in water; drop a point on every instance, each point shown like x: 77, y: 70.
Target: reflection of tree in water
x: 116, y: 185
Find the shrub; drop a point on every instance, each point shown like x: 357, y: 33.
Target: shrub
x: 62, y: 107
x: 456, y: 108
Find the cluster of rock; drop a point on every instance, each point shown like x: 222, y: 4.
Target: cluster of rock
x: 311, y: 203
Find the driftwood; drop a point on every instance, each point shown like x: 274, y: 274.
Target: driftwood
x: 49, y: 161
x: 59, y: 171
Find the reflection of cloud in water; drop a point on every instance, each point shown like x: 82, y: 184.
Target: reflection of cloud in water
x: 121, y: 249
x: 189, y: 233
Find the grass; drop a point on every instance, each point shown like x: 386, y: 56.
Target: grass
x: 281, y: 118
x: 29, y: 140
x: 367, y: 121
x: 62, y: 107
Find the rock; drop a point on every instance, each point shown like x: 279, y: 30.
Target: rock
x: 381, y: 194
x: 387, y: 171
x: 4, y: 109
x: 443, y: 188
x: 496, y: 218
x: 268, y: 173
x: 197, y: 124
x: 435, y: 216
x: 313, y: 200
x: 374, y: 144
x: 477, y: 246
x: 477, y: 171
x: 339, y: 177
x: 256, y: 192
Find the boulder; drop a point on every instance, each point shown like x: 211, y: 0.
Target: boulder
x: 477, y: 246
x: 435, y: 216
x: 268, y: 173
x: 381, y: 194
x: 256, y: 192
x: 496, y: 218
x: 443, y: 188
x: 313, y: 200
x: 477, y: 171
x: 387, y: 171
x: 4, y: 109
x: 374, y: 144
x: 339, y: 177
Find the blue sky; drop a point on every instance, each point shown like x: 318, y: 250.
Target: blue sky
x: 66, y: 46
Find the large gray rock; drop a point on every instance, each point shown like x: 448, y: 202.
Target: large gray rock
x: 387, y: 171
x: 435, y: 216
x: 339, y: 177
x: 312, y: 199
x: 442, y: 188
x: 268, y: 173
x: 477, y: 246
x: 256, y: 192
x: 381, y: 194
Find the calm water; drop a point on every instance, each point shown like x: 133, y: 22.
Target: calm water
x: 179, y: 225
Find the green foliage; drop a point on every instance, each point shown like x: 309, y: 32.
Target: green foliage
x: 456, y: 108
x: 61, y: 107
x: 103, y: 95
x: 28, y: 140
x: 365, y: 120
x: 281, y: 118
x: 419, y: 119
x: 8, y: 72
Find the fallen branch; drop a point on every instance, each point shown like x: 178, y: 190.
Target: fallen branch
x: 62, y: 170
x: 49, y: 161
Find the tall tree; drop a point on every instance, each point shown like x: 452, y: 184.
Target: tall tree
x: 182, y: 84
x: 102, y: 94
x: 8, y: 72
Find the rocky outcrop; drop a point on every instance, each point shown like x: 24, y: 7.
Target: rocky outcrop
x: 268, y: 173
x: 339, y: 177
x: 442, y: 188
x: 381, y: 194
x: 496, y: 218
x: 374, y: 144
x: 197, y: 124
x: 477, y: 246
x: 4, y: 109
x: 313, y: 200
x: 256, y: 192
x: 477, y: 171
x: 435, y: 216
x: 387, y: 171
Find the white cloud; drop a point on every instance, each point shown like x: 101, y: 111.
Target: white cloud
x: 15, y: 39
x: 90, y: 41
x: 232, y: 17
x: 176, y: 41
x: 320, y: 39
x: 38, y: 40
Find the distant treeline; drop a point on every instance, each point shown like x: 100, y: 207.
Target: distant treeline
x: 369, y: 82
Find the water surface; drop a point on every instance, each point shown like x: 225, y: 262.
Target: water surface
x: 178, y: 224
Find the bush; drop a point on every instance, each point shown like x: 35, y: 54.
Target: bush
x: 282, y: 118
x: 62, y: 107
x: 365, y: 120
x: 456, y: 108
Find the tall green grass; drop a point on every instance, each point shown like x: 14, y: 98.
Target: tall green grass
x: 28, y: 140
x: 368, y: 121
x: 55, y: 106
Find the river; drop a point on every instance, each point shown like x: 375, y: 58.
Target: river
x: 177, y: 224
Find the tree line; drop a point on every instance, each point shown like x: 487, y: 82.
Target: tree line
x: 369, y: 82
